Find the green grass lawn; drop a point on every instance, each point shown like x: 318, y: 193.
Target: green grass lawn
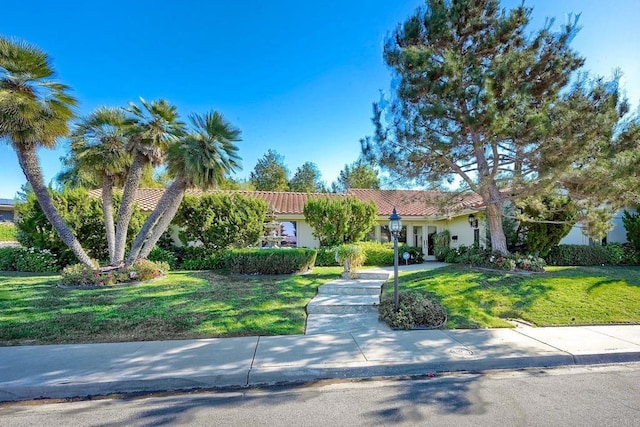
x: 477, y: 298
x: 7, y: 232
x: 182, y: 305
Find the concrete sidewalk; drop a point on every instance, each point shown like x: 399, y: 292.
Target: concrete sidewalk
x: 58, y: 371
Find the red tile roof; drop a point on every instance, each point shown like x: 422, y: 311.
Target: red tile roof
x: 418, y: 202
x: 408, y: 203
x: 281, y: 202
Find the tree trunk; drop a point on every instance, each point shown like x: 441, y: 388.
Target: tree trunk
x: 158, y: 221
x: 31, y: 167
x: 493, y: 200
x: 126, y: 206
x: 107, y: 211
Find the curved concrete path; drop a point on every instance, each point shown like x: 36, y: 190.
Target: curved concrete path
x: 350, y: 305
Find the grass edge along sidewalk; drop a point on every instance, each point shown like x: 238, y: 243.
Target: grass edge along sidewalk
x: 207, y: 304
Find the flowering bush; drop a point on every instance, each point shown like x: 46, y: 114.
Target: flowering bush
x: 141, y: 271
x: 28, y: 260
x: 483, y: 258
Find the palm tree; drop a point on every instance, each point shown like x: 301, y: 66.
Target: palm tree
x: 98, y: 147
x: 34, y: 112
x: 154, y: 127
x: 202, y: 158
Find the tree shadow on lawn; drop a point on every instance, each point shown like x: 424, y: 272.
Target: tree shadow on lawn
x: 474, y: 298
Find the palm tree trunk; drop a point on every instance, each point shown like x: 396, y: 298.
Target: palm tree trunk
x: 158, y: 221
x: 28, y: 160
x: 107, y: 211
x: 161, y: 226
x: 126, y: 206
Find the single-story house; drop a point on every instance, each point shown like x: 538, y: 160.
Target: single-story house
x: 422, y: 215
x: 7, y: 210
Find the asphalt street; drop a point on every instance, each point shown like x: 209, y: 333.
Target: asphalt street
x: 575, y: 396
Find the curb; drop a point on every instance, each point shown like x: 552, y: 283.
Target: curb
x: 256, y: 377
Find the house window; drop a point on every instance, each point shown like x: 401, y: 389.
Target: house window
x: 289, y: 230
x: 385, y: 234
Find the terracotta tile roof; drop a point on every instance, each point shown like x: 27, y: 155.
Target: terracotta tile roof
x: 281, y: 202
x: 417, y: 202
x: 408, y: 203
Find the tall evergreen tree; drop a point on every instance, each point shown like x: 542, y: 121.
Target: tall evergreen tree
x: 480, y: 99
x: 307, y: 179
x: 270, y: 173
x: 359, y: 174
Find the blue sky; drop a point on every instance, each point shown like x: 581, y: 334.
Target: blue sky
x: 296, y: 76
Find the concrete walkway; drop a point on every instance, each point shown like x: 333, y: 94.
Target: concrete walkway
x: 350, y: 305
x: 58, y: 371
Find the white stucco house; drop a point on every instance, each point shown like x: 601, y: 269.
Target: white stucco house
x: 422, y: 217
x: 617, y: 234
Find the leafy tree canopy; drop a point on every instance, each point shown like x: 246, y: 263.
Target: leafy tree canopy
x: 307, y: 179
x: 338, y: 221
x: 270, y: 173
x: 359, y: 174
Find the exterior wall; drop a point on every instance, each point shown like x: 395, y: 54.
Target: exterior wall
x: 7, y: 214
x: 305, y: 236
x: 459, y: 227
x: 617, y: 234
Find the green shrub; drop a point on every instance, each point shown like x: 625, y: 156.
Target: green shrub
x: 221, y: 221
x: 163, y: 255
x: 82, y: 213
x: 415, y: 254
x: 212, y: 261
x: 327, y: 257
x: 578, y: 255
x: 338, y: 221
x: 631, y: 223
x: 8, y: 232
x: 351, y: 257
x: 415, y: 310
x: 377, y: 253
x: 8, y: 258
x: 269, y: 261
x: 34, y: 260
x: 441, y: 245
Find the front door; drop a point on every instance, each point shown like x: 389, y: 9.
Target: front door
x: 431, y: 240
x: 417, y: 236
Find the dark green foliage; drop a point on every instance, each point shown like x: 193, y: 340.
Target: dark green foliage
x: 82, y: 213
x: 8, y: 259
x: 441, y: 245
x: 609, y: 254
x: 544, y: 224
x: 326, y: 257
x: 29, y: 260
x: 480, y: 95
x: 307, y: 179
x: 415, y: 310
x: 221, y: 221
x: 211, y: 261
x: 359, y: 174
x: 163, y: 255
x: 578, y: 255
x: 480, y: 257
x: 270, y: 173
x: 631, y: 223
x: 338, y: 221
x: 269, y: 261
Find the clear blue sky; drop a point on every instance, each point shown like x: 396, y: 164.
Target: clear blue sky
x: 296, y: 76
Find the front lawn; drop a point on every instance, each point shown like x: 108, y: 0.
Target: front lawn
x: 477, y: 298
x: 182, y: 305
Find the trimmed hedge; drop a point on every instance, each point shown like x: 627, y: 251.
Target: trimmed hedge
x: 269, y: 261
x: 611, y: 254
x: 376, y: 253
x: 578, y: 255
